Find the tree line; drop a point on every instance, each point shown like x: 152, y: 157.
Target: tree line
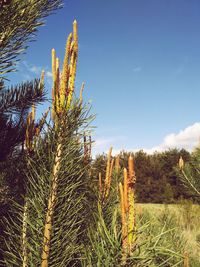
x: 158, y: 178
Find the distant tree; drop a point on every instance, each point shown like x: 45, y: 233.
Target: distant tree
x: 168, y: 193
x: 169, y: 160
x: 99, y: 165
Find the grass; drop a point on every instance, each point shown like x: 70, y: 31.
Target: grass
x: 183, y: 217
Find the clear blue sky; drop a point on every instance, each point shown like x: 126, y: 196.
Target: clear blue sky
x: 140, y: 60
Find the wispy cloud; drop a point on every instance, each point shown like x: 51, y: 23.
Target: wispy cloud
x: 179, y: 69
x: 29, y: 69
x: 35, y: 69
x: 49, y: 74
x: 25, y: 77
x: 137, y: 69
x: 102, y: 145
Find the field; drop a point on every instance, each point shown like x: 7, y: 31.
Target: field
x: 178, y: 222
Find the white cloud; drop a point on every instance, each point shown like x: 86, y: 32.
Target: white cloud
x: 35, y: 69
x: 187, y: 138
x: 49, y: 74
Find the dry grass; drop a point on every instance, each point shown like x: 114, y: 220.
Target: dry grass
x: 186, y: 217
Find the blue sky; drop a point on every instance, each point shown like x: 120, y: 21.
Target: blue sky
x: 140, y: 61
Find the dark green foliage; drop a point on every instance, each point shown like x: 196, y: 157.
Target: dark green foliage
x: 14, y: 106
x: 20, y: 97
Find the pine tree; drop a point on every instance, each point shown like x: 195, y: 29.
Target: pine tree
x: 19, y: 21
x: 51, y: 220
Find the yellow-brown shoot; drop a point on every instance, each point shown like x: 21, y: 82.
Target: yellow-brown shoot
x: 110, y: 173
x: 33, y: 130
x: 185, y: 260
x: 104, y: 188
x: 73, y: 63
x: 42, y: 80
x: 109, y: 167
x: 33, y: 112
x: 124, y: 224
x: 57, y: 86
x: 75, y: 36
x: 181, y: 163
x: 127, y: 203
x: 50, y: 211
x: 63, y: 82
x: 126, y: 190
x: 65, y: 71
x: 41, y: 123
x: 53, y: 54
x: 117, y: 164
x: 131, y: 202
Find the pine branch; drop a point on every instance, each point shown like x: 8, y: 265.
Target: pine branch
x: 191, y: 184
x: 21, y: 97
x: 71, y: 206
x: 189, y: 173
x: 18, y: 25
x: 11, y: 135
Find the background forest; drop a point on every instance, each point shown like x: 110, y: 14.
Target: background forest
x: 157, y: 178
